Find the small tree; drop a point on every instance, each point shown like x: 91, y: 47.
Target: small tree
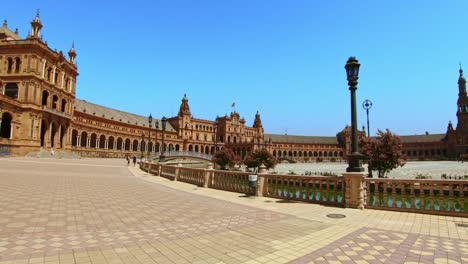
x: 384, y: 153
x: 258, y: 157
x: 225, y: 158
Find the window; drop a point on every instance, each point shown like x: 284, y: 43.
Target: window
x: 5, y: 126
x: 17, y: 65
x: 11, y: 90
x: 9, y: 65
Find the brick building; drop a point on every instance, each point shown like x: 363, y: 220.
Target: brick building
x: 39, y: 111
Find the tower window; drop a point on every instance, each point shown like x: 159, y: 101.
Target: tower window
x: 9, y: 65
x: 17, y: 65
x: 11, y: 90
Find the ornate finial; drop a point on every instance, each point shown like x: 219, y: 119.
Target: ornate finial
x: 461, y: 70
x: 5, y: 23
x: 16, y: 31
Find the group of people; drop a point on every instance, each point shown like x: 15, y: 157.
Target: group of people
x: 134, y: 161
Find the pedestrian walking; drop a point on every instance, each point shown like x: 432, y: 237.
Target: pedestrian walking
x: 134, y: 161
x: 128, y: 161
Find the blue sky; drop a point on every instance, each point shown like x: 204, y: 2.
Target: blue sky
x: 283, y: 58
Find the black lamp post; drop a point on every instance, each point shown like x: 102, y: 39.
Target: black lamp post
x: 216, y: 123
x: 352, y: 72
x: 150, y: 121
x: 156, y: 126
x: 141, y: 145
x: 367, y: 105
x: 162, y: 158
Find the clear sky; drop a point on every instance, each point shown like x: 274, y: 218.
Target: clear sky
x: 283, y: 58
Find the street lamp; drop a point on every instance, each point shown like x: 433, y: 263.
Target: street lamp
x: 352, y: 73
x: 150, y: 121
x: 216, y: 123
x: 367, y: 105
x: 163, y: 124
x: 156, y: 126
x: 141, y: 145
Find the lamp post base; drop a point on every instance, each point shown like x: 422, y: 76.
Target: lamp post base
x: 162, y: 158
x: 355, y: 164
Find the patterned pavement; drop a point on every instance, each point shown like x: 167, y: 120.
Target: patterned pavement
x: 101, y: 211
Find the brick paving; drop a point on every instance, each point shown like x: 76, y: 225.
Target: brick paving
x: 101, y: 211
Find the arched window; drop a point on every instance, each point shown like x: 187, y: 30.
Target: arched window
x: 9, y: 65
x: 274, y: 153
x: 84, y: 139
x: 45, y: 97
x: 127, y: 144
x: 190, y: 148
x: 207, y: 150
x: 177, y: 147
x: 49, y: 72
x: 54, y: 101
x: 64, y: 105
x: 135, y: 145
x: 5, y: 126
x: 93, y: 140
x: 171, y: 147
x: 196, y: 148
x: 17, y: 65
x: 110, y: 144
x: 156, y: 147
x: 119, y: 143
x: 11, y: 90
x: 235, y: 140
x: 102, y: 141
x: 74, y: 138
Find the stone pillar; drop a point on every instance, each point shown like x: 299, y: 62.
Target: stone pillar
x: 261, y: 180
x: 355, y: 189
x: 208, y: 173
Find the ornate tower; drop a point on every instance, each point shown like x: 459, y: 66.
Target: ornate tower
x: 258, y: 127
x: 72, y: 54
x: 462, y: 115
x: 184, y: 118
x: 36, y: 26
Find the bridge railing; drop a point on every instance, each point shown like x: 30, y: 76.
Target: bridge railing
x: 314, y: 189
x: 232, y: 181
x: 446, y: 197
x: 442, y: 197
x: 192, y: 176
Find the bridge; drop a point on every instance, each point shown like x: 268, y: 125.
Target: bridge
x: 184, y: 154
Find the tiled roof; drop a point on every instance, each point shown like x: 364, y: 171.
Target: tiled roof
x: 116, y: 115
x: 422, y: 138
x: 301, y: 139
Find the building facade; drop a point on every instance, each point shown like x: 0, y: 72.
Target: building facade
x: 39, y: 112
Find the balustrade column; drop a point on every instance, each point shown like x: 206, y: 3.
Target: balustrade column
x: 355, y: 189
x: 261, y: 181
x: 208, y: 175
x: 177, y: 171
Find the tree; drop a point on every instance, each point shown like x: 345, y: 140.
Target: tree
x: 384, y: 152
x: 225, y: 157
x: 258, y: 157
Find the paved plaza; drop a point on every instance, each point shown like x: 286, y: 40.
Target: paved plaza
x: 101, y: 211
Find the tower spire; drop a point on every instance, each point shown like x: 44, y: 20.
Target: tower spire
x: 36, y: 26
x: 461, y: 84
x: 72, y: 54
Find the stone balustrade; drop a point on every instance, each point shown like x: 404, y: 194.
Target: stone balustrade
x: 315, y: 189
x: 353, y: 190
x: 192, y: 176
x: 446, y: 197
